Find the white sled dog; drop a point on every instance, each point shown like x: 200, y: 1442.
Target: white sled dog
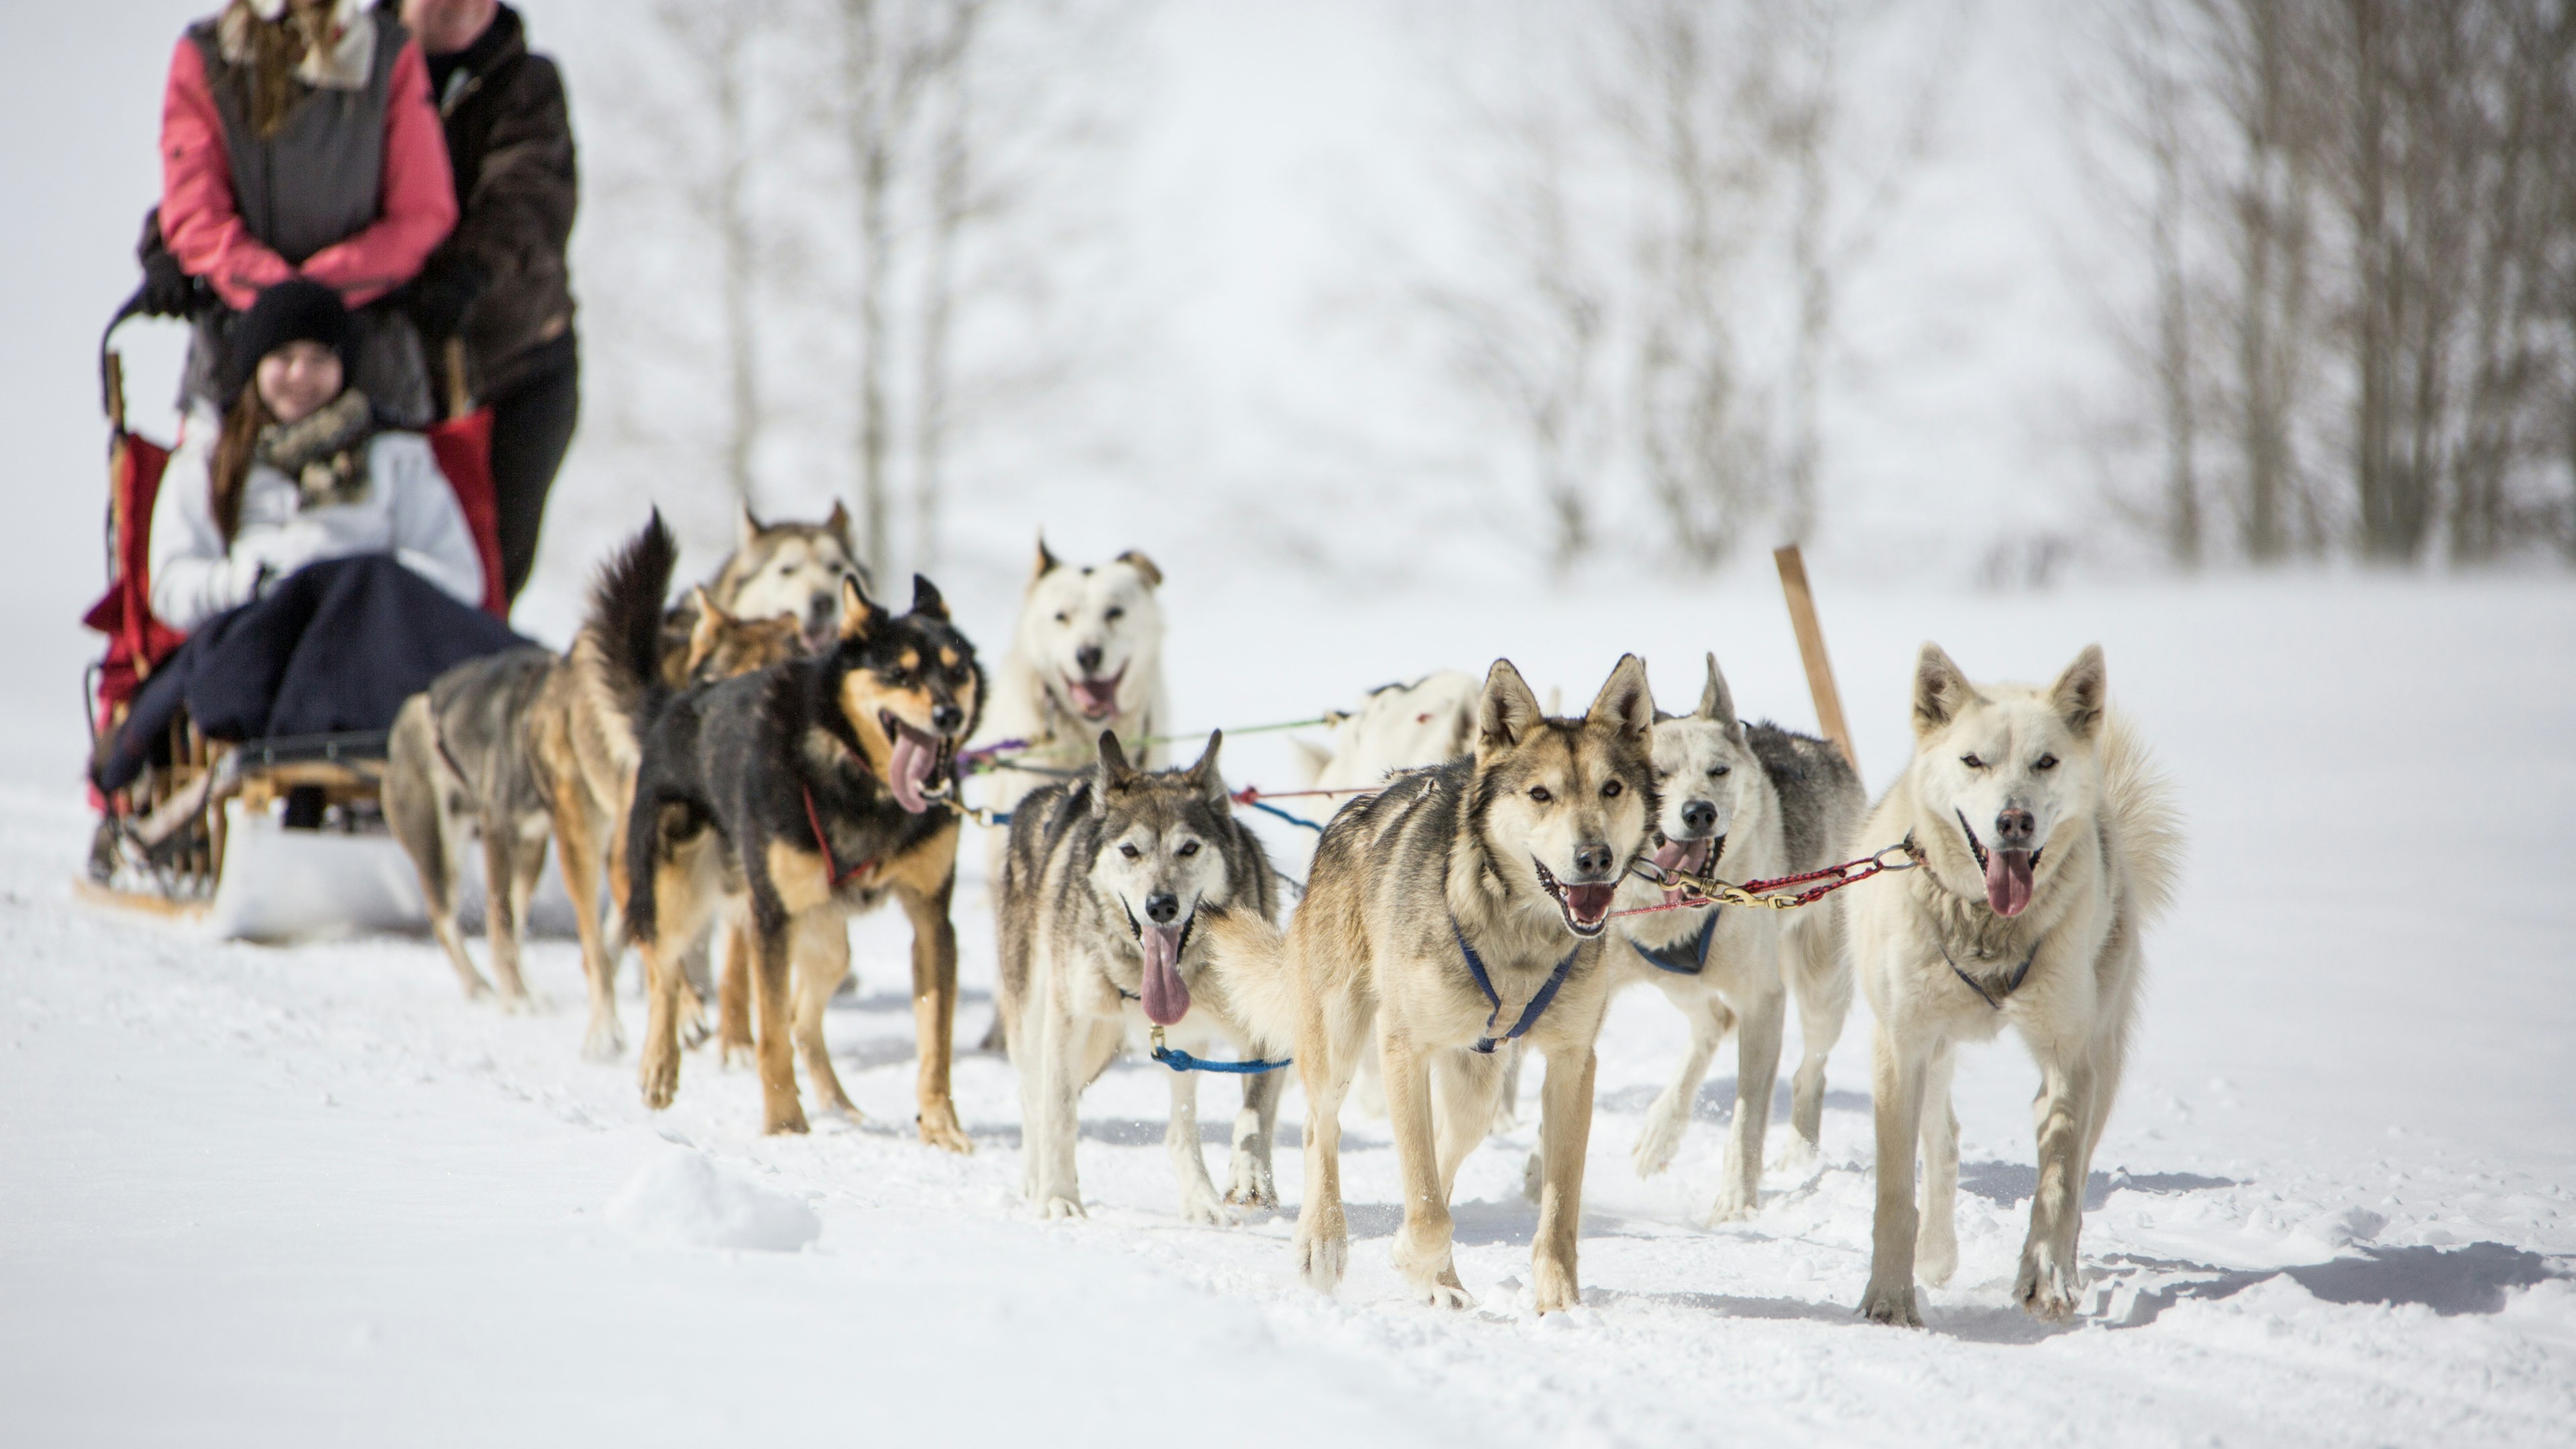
x: 1396, y: 727
x: 1758, y: 802
x: 2046, y: 842
x: 1464, y: 905
x: 1085, y: 656
x: 1112, y: 877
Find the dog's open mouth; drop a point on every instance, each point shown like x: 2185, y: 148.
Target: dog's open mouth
x: 1586, y: 907
x: 2008, y: 872
x: 1096, y: 698
x: 1691, y: 857
x: 1166, y: 997
x: 918, y: 759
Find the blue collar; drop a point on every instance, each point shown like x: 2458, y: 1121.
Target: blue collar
x: 1529, y: 1014
x: 1671, y: 958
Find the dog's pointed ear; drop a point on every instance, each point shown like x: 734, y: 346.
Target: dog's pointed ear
x: 710, y: 622
x: 1717, y: 702
x: 1047, y: 561
x: 858, y: 613
x: 1941, y: 690
x: 1134, y: 558
x: 746, y: 528
x: 1114, y: 769
x: 1625, y: 700
x: 2078, y: 693
x: 838, y: 525
x: 1507, y: 711
x: 926, y: 600
x: 1203, y: 776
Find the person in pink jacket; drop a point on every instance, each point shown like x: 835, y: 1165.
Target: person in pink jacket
x: 298, y: 140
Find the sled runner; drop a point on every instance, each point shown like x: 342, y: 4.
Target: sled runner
x: 163, y: 840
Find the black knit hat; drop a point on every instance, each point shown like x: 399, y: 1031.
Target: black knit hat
x: 295, y: 310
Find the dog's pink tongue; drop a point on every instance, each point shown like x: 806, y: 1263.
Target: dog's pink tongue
x: 1671, y: 854
x: 908, y: 772
x: 1097, y: 699
x: 2008, y: 881
x: 1167, y: 997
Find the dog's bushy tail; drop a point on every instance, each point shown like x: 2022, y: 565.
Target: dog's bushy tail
x: 621, y: 637
x: 2146, y: 824
x: 1254, y: 969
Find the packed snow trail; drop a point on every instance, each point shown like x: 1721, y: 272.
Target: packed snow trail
x: 310, y: 1195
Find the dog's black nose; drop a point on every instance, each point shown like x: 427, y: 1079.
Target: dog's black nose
x: 1592, y: 860
x: 1162, y: 906
x: 1088, y: 656
x: 2014, y: 828
x: 1699, y: 817
x: 946, y: 718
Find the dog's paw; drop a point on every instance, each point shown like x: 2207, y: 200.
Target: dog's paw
x: 659, y: 1075
x: 1737, y: 1201
x: 939, y: 1129
x: 1891, y: 1304
x: 790, y: 1118
x: 694, y: 1029
x: 1200, y: 1205
x: 523, y: 1002
x: 1249, y: 1184
x: 605, y: 1041
x: 478, y: 990
x: 733, y: 1056
x: 1798, y: 1154
x: 1322, y: 1259
x: 1061, y: 1209
x: 1936, y: 1257
x: 2046, y: 1288
x: 1661, y: 1139
x: 1444, y: 1293
x: 1552, y: 1285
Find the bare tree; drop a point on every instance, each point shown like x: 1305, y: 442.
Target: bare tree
x: 2389, y: 205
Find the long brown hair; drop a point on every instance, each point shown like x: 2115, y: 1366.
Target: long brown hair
x: 244, y: 421
x: 277, y: 47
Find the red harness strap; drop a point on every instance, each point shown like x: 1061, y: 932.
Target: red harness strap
x: 839, y: 876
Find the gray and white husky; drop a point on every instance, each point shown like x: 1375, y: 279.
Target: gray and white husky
x: 1755, y: 801
x: 2046, y: 842
x: 1103, y: 909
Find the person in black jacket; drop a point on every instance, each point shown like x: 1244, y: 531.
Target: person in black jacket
x: 500, y: 281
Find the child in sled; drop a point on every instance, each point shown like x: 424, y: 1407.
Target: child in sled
x: 316, y: 556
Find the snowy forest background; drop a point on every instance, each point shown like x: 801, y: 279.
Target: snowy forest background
x: 2198, y: 282
x: 1980, y: 290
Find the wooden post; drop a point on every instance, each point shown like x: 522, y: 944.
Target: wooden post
x: 1811, y: 649
x: 460, y: 397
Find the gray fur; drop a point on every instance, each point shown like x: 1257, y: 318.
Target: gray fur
x: 1073, y: 965
x: 457, y: 768
x: 1766, y: 802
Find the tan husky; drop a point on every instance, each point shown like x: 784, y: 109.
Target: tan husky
x: 1465, y: 905
x: 2046, y: 843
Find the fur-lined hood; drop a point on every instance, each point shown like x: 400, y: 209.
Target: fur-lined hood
x: 342, y: 62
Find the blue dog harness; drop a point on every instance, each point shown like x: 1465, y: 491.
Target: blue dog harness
x: 1671, y: 958
x: 1529, y: 1014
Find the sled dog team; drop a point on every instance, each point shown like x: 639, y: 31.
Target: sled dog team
x: 780, y: 752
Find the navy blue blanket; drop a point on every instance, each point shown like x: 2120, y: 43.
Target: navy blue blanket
x: 338, y: 645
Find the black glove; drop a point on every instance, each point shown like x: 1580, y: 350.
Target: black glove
x: 444, y: 292
x: 167, y: 290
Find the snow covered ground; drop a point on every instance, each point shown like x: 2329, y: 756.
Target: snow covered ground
x: 309, y: 1195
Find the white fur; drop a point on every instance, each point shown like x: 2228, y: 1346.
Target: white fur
x: 1112, y: 607
x: 2108, y: 848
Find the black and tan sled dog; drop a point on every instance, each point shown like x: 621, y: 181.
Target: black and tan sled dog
x: 790, y: 800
